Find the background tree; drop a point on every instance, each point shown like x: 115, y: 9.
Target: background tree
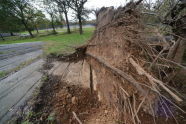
x: 39, y: 19
x: 78, y: 7
x: 8, y: 23
x: 51, y: 8
x: 63, y: 8
x: 61, y: 19
x: 23, y: 10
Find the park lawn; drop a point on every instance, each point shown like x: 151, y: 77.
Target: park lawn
x: 60, y: 42
x: 44, y: 31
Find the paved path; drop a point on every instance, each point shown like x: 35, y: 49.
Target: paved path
x: 10, y: 50
x: 12, y: 56
x: 13, y: 62
x: 18, y: 87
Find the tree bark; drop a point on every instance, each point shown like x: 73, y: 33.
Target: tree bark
x: 80, y: 24
x: 67, y: 23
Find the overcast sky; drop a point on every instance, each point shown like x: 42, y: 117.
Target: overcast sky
x: 93, y: 4
x: 106, y: 3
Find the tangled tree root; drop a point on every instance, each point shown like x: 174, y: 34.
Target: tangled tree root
x: 130, y: 71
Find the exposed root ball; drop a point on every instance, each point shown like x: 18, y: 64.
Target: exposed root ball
x: 119, y: 55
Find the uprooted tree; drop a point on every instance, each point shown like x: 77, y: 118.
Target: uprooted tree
x: 130, y: 70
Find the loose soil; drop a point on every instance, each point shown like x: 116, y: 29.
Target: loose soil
x: 57, y: 100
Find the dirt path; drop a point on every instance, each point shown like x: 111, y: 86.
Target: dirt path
x: 19, y: 86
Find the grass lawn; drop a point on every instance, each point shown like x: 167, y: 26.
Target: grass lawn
x: 58, y: 43
x: 44, y: 31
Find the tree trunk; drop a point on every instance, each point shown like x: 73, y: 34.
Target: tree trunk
x: 2, y: 36
x: 30, y: 32
x: 61, y: 18
x: 27, y: 28
x: 53, y: 27
x: 67, y: 22
x: 80, y: 24
x: 11, y: 33
x: 37, y: 30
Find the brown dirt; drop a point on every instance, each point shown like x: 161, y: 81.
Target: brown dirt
x: 60, y: 99
x: 57, y: 100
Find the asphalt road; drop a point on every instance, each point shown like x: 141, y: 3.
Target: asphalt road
x: 19, y: 86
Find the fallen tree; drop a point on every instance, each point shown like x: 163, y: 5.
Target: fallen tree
x: 129, y: 70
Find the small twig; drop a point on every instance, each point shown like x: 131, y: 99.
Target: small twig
x: 132, y: 112
x: 169, y: 110
x: 153, y: 113
x: 135, y: 111
x: 76, y: 117
x: 124, y: 91
x: 164, y: 110
x: 141, y: 103
x: 151, y: 65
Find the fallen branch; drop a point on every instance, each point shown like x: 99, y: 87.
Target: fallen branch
x: 118, y: 72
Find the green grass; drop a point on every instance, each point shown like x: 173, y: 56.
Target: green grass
x: 2, y: 74
x: 44, y: 31
x: 58, y: 43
